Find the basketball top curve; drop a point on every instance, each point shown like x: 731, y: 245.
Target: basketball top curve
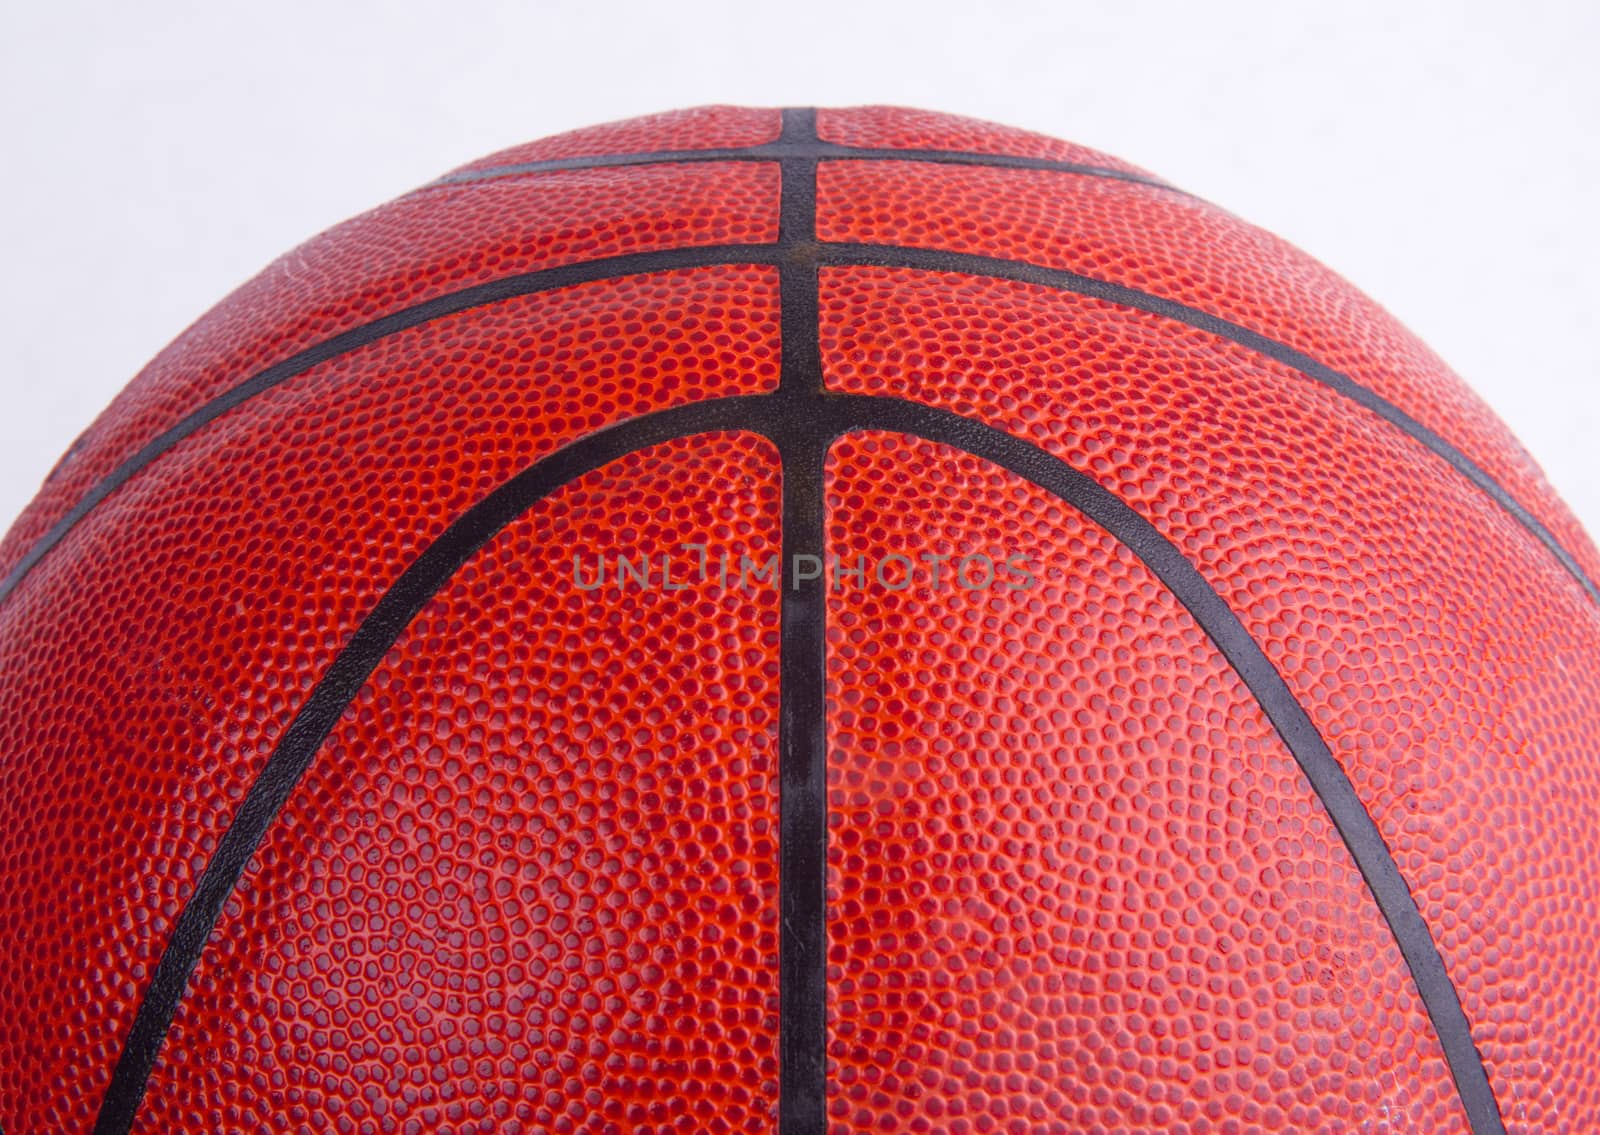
x: 751, y: 620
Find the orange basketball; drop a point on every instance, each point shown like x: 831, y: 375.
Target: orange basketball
x: 784, y: 621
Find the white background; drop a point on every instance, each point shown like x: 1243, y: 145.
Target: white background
x: 1442, y: 156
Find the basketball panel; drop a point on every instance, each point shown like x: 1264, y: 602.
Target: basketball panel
x: 529, y: 883
x: 1077, y: 882
x: 904, y: 128
x: 1465, y: 726
x: 416, y: 249
x: 698, y: 128
x: 226, y: 577
x: 1177, y: 248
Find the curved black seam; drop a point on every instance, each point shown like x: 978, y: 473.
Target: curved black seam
x: 782, y: 150
x: 785, y: 418
x: 967, y: 264
x: 509, y: 287
x: 1327, y: 777
x: 828, y: 254
x: 339, y: 686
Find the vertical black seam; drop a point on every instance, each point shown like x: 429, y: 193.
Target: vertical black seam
x: 797, y: 267
x: 803, y: 809
x: 802, y: 747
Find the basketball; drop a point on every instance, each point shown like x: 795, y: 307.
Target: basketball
x: 753, y: 620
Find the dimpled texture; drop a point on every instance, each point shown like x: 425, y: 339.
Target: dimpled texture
x: 1076, y: 881
x: 1468, y: 728
x: 1179, y: 248
x: 201, y: 643
x: 530, y: 879
x: 892, y: 128
x: 536, y: 863
x: 701, y: 128
x: 429, y: 244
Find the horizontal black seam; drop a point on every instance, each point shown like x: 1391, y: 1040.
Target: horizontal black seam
x: 967, y: 264
x: 781, y: 151
x: 828, y: 254
x: 510, y: 287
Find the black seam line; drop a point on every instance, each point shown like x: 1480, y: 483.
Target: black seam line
x: 510, y: 287
x: 813, y: 151
x: 430, y: 572
x: 827, y: 254
x: 1328, y: 779
x: 931, y: 260
x: 803, y: 795
x: 802, y: 662
x: 786, y: 419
